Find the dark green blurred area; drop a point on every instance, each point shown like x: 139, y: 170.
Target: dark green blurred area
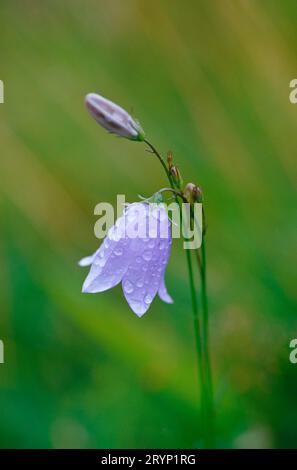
x: 210, y: 81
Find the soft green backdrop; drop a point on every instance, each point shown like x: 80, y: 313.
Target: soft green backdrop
x: 210, y: 81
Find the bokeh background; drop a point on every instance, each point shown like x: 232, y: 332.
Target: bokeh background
x: 210, y: 81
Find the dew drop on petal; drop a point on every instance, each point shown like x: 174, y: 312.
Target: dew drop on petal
x: 100, y: 262
x: 118, y: 251
x: 128, y: 287
x: 138, y: 307
x: 148, y: 299
x: 139, y: 283
x: 147, y: 255
x: 116, y: 235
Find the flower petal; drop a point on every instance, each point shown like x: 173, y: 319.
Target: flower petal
x: 139, y: 285
x: 163, y: 293
x: 110, y: 262
x: 87, y: 261
x: 143, y: 278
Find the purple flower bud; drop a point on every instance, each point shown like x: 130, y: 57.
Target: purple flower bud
x: 135, y: 252
x: 113, y: 118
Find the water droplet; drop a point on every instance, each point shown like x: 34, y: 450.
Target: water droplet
x: 147, y: 255
x: 138, y: 259
x: 138, y: 307
x: 118, y: 251
x: 139, y: 283
x: 151, y: 244
x: 162, y: 245
x: 148, y: 299
x: 116, y: 235
x: 128, y: 287
x: 100, y: 262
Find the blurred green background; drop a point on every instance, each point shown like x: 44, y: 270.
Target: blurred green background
x: 210, y: 81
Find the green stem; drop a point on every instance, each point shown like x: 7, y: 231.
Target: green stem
x: 161, y: 160
x: 201, y: 333
x: 198, y: 342
x: 209, y: 402
x: 205, y: 347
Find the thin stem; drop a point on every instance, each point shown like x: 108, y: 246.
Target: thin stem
x: 201, y: 332
x: 208, y: 391
x: 205, y: 344
x: 161, y: 160
x: 195, y: 313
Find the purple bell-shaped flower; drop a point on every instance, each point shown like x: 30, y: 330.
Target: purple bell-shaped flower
x: 135, y: 252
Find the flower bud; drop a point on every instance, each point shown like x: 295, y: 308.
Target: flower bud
x: 113, y: 118
x: 193, y: 193
x: 176, y: 176
x: 169, y: 158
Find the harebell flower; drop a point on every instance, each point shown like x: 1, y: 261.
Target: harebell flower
x: 136, y: 255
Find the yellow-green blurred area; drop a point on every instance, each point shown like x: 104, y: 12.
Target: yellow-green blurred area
x: 210, y: 81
